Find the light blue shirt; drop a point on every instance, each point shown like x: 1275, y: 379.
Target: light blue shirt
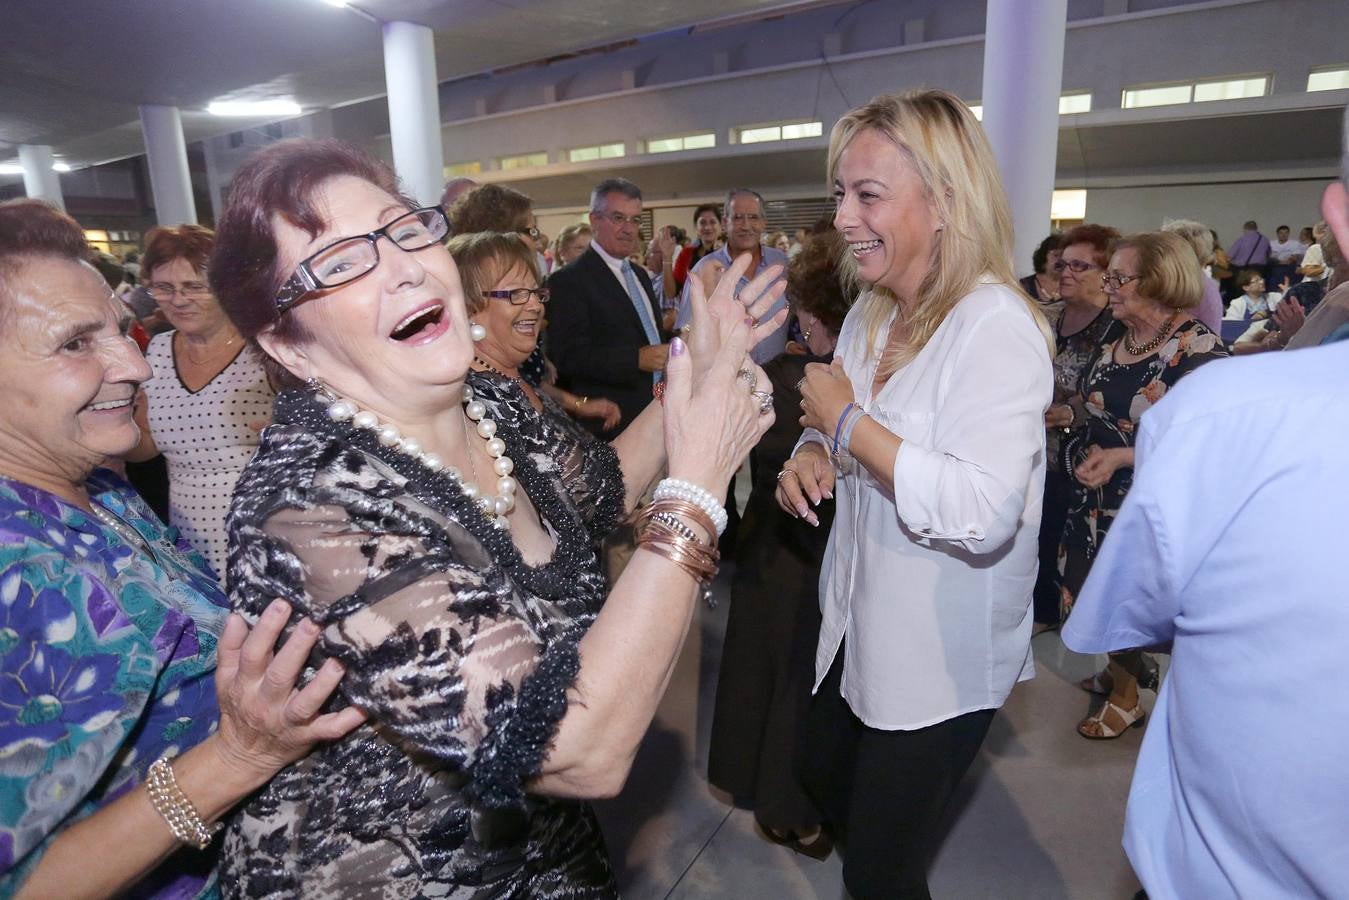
x: 775, y: 343
x: 1242, y: 782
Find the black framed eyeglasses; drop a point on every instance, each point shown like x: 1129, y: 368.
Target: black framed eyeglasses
x: 345, y: 260
x: 1078, y: 266
x: 519, y: 296
x: 1116, y: 280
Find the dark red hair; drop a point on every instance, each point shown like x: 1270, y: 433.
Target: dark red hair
x: 1102, y: 239
x: 279, y: 180
x: 165, y: 244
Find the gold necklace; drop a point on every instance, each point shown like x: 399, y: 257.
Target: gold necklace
x: 1144, y: 349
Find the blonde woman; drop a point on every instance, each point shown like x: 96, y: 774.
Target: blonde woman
x: 929, y: 428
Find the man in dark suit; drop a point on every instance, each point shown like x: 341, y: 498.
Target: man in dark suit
x: 603, y: 322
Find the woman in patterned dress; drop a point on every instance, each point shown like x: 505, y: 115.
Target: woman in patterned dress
x: 116, y: 645
x: 451, y: 565
x: 1153, y: 286
x: 209, y: 396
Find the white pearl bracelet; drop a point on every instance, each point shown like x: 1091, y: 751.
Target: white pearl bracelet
x: 677, y: 489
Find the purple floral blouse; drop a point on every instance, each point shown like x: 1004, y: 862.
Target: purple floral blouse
x: 107, y: 657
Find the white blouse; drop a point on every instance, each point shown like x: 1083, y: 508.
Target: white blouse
x: 931, y: 585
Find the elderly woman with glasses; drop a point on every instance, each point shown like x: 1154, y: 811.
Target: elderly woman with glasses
x: 1153, y: 286
x: 209, y: 395
x: 1080, y: 328
x: 134, y: 710
x: 503, y: 294
x: 442, y: 535
x: 495, y: 209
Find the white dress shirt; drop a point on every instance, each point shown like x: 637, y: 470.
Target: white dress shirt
x: 1241, y: 788
x: 931, y: 585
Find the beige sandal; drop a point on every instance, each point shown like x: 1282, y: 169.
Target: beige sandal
x: 1095, y: 728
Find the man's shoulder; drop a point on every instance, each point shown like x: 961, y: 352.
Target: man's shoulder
x: 573, y: 273
x: 718, y: 255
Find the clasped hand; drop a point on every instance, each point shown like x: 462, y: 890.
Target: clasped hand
x: 1101, y: 464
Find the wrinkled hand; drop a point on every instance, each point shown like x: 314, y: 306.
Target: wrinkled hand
x: 1100, y: 465
x: 1059, y: 416
x: 266, y: 723
x: 652, y: 357
x: 712, y: 421
x: 810, y: 478
x: 825, y: 391
x: 605, y: 410
x: 712, y: 319
x: 1290, y: 316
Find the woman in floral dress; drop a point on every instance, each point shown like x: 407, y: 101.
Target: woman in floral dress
x: 1153, y: 287
x: 121, y: 664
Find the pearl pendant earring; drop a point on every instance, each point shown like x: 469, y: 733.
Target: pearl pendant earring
x: 476, y: 331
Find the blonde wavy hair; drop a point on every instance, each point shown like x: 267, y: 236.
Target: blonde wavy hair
x: 947, y: 148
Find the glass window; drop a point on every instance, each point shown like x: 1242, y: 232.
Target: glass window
x: 700, y: 141
x: 759, y: 135
x: 524, y: 161
x: 1231, y: 90
x: 801, y: 130
x: 1070, y: 204
x: 1138, y: 98
x: 1074, y: 103
x: 978, y: 110
x: 1328, y: 80
x: 464, y: 168
x: 683, y: 142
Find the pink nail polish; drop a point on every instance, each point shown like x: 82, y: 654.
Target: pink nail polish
x: 677, y: 347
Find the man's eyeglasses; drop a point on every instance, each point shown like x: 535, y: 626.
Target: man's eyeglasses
x: 519, y: 296
x: 345, y: 260
x: 165, y: 291
x: 1078, y: 266
x: 620, y: 220
x: 1116, y: 281
x: 743, y: 218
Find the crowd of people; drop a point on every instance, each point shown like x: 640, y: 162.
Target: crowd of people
x: 441, y: 494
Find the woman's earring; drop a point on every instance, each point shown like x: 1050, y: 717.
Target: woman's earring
x: 806, y: 334
x: 941, y: 226
x: 476, y: 331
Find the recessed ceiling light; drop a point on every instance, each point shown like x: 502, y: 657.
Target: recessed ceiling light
x: 60, y: 167
x: 338, y: 3
x: 17, y: 169
x: 254, y: 108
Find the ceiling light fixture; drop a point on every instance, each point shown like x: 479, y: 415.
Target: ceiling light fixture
x: 254, y: 108
x: 338, y: 3
x: 17, y: 169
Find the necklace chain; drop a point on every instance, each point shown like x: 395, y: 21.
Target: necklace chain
x: 494, y: 370
x: 1143, y: 349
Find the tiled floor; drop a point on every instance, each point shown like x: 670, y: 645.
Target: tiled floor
x: 1039, y: 816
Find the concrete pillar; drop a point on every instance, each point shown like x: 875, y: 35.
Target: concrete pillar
x: 166, y: 153
x: 414, y: 109
x: 1023, y: 76
x: 40, y: 181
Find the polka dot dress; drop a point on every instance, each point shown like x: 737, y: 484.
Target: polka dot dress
x: 207, y: 437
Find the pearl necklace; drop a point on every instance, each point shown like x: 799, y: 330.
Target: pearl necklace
x: 495, y: 371
x: 1143, y: 349
x: 495, y: 508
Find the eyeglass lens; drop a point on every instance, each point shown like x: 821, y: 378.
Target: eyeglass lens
x: 349, y: 259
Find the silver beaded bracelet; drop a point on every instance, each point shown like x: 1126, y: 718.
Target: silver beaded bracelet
x: 677, y: 489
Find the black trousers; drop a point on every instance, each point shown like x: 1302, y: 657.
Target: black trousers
x: 883, y: 793
x: 1058, y: 497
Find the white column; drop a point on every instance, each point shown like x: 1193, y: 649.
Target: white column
x: 414, y: 109
x: 40, y: 181
x: 1023, y: 76
x: 166, y: 152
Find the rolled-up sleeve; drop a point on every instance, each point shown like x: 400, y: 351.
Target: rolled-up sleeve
x: 968, y: 485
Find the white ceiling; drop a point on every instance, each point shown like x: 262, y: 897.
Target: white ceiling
x: 74, y: 71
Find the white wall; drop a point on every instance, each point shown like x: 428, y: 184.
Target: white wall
x: 1221, y: 206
